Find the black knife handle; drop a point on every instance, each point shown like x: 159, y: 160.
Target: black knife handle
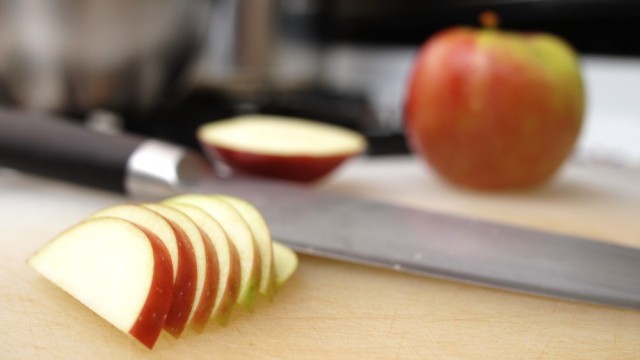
x: 45, y: 145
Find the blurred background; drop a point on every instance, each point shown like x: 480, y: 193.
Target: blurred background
x: 162, y: 67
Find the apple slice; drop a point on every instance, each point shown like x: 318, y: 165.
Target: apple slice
x: 262, y: 237
x: 280, y: 147
x: 115, y: 268
x: 206, y: 264
x: 286, y: 263
x: 182, y: 258
x: 240, y: 235
x: 229, y: 275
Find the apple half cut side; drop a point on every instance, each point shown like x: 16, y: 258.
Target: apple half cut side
x: 117, y: 270
x: 228, y: 259
x: 206, y: 264
x: 262, y: 237
x: 181, y: 253
x: 240, y: 235
x: 280, y: 147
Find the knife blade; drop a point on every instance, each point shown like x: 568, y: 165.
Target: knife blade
x: 418, y: 241
x: 331, y: 225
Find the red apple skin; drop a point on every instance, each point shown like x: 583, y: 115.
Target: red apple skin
x: 154, y: 312
x: 303, y: 169
x: 184, y: 294
x: 184, y: 289
x: 494, y: 110
x: 208, y: 296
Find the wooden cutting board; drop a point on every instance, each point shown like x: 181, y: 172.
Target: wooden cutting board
x: 331, y: 309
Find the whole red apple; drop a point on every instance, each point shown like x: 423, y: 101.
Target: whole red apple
x: 492, y: 109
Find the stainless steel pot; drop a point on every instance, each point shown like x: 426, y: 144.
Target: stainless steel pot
x: 76, y: 55
x: 262, y: 45
x: 79, y: 55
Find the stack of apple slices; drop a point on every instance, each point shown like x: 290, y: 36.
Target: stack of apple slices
x: 182, y: 262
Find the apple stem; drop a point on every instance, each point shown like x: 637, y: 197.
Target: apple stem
x: 489, y: 19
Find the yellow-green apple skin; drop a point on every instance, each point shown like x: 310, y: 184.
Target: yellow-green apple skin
x: 491, y: 109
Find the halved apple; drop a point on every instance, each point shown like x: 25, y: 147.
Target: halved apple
x: 280, y: 147
x: 229, y: 277
x: 262, y: 237
x: 115, y: 268
x: 206, y: 264
x: 182, y: 258
x: 286, y: 263
x: 239, y: 234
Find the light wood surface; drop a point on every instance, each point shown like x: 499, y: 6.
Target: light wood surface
x: 336, y: 310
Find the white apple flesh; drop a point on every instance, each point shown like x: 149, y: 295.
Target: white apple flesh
x: 240, y: 235
x: 262, y: 237
x: 206, y: 264
x: 286, y: 263
x: 280, y: 147
x: 117, y: 270
x: 182, y: 258
x: 229, y: 276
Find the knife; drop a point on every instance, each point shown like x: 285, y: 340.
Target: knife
x: 335, y: 226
